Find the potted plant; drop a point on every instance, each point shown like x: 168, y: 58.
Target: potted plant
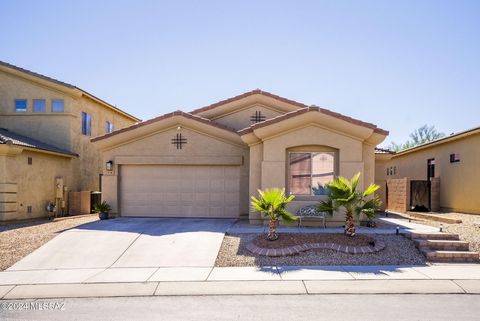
x: 272, y: 204
x: 102, y: 209
x: 343, y: 193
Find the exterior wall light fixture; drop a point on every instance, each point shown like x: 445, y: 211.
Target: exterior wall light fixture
x: 109, y: 165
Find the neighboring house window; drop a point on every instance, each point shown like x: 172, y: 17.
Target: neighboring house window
x: 310, y: 171
x: 20, y: 105
x: 108, y: 127
x: 58, y: 106
x: 454, y: 158
x: 39, y: 105
x: 86, y: 124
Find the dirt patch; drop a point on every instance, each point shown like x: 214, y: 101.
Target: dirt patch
x: 398, y: 251
x: 17, y: 240
x: 286, y: 240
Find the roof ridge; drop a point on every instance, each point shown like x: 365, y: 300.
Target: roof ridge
x: 244, y: 95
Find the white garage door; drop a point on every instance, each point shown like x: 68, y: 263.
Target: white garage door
x: 179, y: 191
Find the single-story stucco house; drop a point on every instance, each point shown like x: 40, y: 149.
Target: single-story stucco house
x: 208, y: 162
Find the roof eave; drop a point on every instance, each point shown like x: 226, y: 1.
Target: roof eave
x: 440, y: 141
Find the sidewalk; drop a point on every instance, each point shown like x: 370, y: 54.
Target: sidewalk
x: 208, y: 280
x: 451, y: 278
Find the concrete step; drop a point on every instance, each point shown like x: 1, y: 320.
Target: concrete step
x: 435, y: 217
x: 433, y: 236
x: 450, y: 256
x: 443, y: 245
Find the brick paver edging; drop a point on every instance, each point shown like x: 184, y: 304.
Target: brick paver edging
x: 291, y: 250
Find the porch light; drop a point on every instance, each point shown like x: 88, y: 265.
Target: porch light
x: 109, y: 165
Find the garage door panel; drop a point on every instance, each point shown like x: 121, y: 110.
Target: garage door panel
x: 179, y: 191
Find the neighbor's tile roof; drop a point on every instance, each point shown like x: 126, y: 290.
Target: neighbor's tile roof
x: 379, y: 150
x: 309, y: 109
x: 8, y: 137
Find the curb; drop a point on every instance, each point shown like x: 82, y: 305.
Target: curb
x: 97, y: 290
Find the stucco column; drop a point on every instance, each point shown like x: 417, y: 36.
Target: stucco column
x: 255, y: 178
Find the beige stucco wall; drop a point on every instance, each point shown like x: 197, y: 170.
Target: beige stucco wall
x: 51, y: 128
x: 353, y: 156
x: 62, y: 130
x: 381, y: 178
x: 458, y: 181
x: 31, y: 185
x: 240, y: 119
x: 89, y: 165
x: 156, y: 148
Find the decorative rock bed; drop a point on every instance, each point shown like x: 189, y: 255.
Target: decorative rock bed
x: 295, y: 249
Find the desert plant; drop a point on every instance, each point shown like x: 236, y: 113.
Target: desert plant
x: 343, y: 193
x: 102, y: 209
x: 272, y: 204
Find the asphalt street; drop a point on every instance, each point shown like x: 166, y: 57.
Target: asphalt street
x: 250, y: 307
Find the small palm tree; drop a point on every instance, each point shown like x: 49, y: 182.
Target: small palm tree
x: 272, y: 203
x: 343, y: 193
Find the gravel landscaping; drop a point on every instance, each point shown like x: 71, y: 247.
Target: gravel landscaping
x: 398, y: 251
x: 17, y: 240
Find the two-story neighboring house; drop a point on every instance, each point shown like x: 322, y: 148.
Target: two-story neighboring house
x: 45, y: 148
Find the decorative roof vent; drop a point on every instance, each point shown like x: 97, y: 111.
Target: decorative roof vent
x: 179, y: 140
x: 257, y: 117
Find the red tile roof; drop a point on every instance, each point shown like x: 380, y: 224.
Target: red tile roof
x: 9, y: 137
x: 306, y: 110
x: 250, y: 93
x: 159, y: 118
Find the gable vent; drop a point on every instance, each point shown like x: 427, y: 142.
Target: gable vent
x: 257, y: 117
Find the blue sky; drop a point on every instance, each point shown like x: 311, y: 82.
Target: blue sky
x: 398, y: 64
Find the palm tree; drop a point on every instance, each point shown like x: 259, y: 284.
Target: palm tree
x: 272, y: 204
x: 343, y: 193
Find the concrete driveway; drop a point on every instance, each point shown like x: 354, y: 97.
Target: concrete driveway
x: 131, y: 243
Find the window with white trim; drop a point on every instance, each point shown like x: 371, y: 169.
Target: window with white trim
x: 309, y: 172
